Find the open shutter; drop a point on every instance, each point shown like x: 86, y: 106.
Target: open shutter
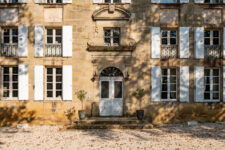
x: 155, y: 1
x: 223, y: 84
x: 67, y: 82
x: 199, y: 1
x: 155, y: 83
x: 67, y: 41
x: 184, y: 1
x: 38, y: 82
x: 199, y: 83
x: 184, y: 83
x: 224, y: 42
x: 199, y: 42
x: 23, y: 82
x: 22, y: 42
x: 126, y: 1
x: 155, y: 42
x: 97, y: 1
x: 38, y: 41
x: 184, y: 42
x: 67, y: 1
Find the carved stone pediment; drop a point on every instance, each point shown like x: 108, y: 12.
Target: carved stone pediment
x: 111, y: 12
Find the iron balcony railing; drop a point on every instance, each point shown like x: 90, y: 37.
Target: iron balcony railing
x: 53, y: 50
x: 169, y: 51
x: 212, y: 51
x: 9, y: 50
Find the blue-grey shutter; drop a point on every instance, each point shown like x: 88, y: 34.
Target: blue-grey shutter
x: 39, y: 1
x: 155, y: 83
x: 22, y: 1
x: 155, y: 42
x: 184, y: 83
x: 224, y: 42
x: 199, y: 83
x: 67, y: 82
x: 23, y: 82
x: 199, y: 42
x: 199, y: 1
x: 184, y: 42
x: 22, y: 41
x: 184, y: 1
x: 155, y: 1
x: 38, y: 82
x: 38, y: 41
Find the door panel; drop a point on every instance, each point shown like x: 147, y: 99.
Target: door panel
x: 117, y: 107
x: 105, y: 107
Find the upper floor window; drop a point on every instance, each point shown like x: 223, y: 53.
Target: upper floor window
x: 211, y: 1
x: 54, y: 1
x: 168, y: 1
x: 112, y: 36
x: 10, y: 36
x: 112, y: 1
x: 212, y: 37
x: 168, y: 43
x: 53, y: 45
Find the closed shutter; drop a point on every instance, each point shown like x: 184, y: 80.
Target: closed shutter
x: 224, y: 42
x: 38, y: 41
x: 155, y: 1
x: 184, y: 42
x: 155, y: 42
x: 199, y: 1
x: 38, y: 82
x: 23, y: 82
x: 38, y: 1
x: 98, y: 1
x: 184, y: 1
x: 223, y: 1
x: 67, y: 82
x: 67, y: 1
x: 67, y: 41
x: 126, y: 1
x: 22, y: 1
x: 22, y: 41
x: 199, y: 83
x: 156, y: 83
x: 184, y: 83
x: 199, y: 42
x: 223, y: 84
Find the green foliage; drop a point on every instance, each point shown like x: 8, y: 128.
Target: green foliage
x: 139, y: 93
x: 81, y: 95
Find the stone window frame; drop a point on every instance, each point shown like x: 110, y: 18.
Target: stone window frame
x: 112, y: 37
x: 168, y: 76
x: 53, y: 82
x: 11, y: 74
x: 211, y: 84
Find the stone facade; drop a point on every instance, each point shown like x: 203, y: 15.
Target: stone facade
x: 133, y: 57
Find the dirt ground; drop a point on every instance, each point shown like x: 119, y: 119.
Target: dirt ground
x: 207, y: 136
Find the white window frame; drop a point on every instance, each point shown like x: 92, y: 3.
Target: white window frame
x: 212, y: 2
x: 54, y: 84
x: 168, y: 37
x: 10, y: 83
x: 111, y: 36
x: 211, y: 85
x: 211, y: 36
x: 53, y: 35
x: 168, y: 84
x: 10, y: 36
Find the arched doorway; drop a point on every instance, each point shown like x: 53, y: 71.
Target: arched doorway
x: 111, y: 92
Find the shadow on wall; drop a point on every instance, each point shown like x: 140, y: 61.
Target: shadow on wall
x: 14, y: 115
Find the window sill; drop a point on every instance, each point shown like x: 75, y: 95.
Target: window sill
x: 9, y: 99
x: 168, y: 100
x: 111, y: 48
x: 207, y: 101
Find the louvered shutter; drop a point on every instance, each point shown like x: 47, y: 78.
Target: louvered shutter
x: 38, y: 1
x: 199, y: 1
x: 199, y: 83
x: 67, y: 82
x: 184, y: 42
x: 155, y: 1
x: 22, y: 1
x: 155, y: 83
x: 38, y: 41
x: 184, y: 1
x: 223, y: 84
x: 224, y: 42
x: 67, y: 1
x: 98, y: 1
x: 126, y: 1
x: 155, y: 42
x: 184, y: 83
x: 199, y: 42
x: 38, y: 82
x: 23, y: 82
x: 67, y: 41
x: 22, y: 41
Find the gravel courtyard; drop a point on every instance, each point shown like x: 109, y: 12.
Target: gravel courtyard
x: 208, y: 136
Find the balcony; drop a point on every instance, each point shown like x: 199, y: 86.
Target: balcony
x: 212, y: 51
x: 9, y: 50
x: 53, y: 50
x: 168, y: 51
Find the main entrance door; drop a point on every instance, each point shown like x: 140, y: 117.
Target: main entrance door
x: 111, y: 93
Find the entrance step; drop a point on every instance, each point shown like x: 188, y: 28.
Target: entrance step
x: 111, y: 123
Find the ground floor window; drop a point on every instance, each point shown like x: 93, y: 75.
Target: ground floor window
x: 211, y: 84
x: 10, y: 82
x: 169, y: 84
x: 54, y: 82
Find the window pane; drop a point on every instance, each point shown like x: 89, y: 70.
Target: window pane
x: 49, y: 78
x: 164, y: 95
x: 215, y: 95
x: 116, y: 1
x: 58, y: 40
x: 49, y: 94
x: 216, y: 80
x: 6, y: 78
x: 207, y: 33
x: 215, y: 87
x: 164, y: 80
x: 58, y: 32
x: 207, y: 88
x: 118, y: 89
x: 49, y: 40
x: 207, y: 1
x: 107, y: 1
x: 173, y: 41
x: 49, y: 86
x: 15, y: 70
x: 116, y: 32
x: 116, y: 41
x: 49, y: 32
x: 164, y: 33
x: 59, y: 79
x: 6, y: 70
x: 15, y: 32
x: 58, y: 94
x: 49, y: 70
x: 215, y: 33
x: 6, y: 93
x: 207, y: 41
x: 207, y: 72
x: 173, y: 87
x: 107, y: 41
x: 15, y: 77
x: 173, y: 79
x: 58, y: 1
x: 15, y: 93
x: 173, y: 72
x: 164, y: 71
x: 58, y: 86
x: 107, y: 32
x: 207, y: 80
x: 206, y: 95
x: 6, y: 86
x: 104, y: 89
x: 164, y: 87
x: 15, y: 39
x: 15, y: 85
x: 172, y: 95
x: 215, y: 72
x: 58, y: 70
x: 173, y: 33
x: 215, y: 41
x: 6, y: 32
x: 6, y: 39
x: 164, y: 41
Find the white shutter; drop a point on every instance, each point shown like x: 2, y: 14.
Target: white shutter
x: 38, y: 1
x: 67, y: 82
x: 199, y: 1
x: 184, y: 1
x: 126, y: 1
x: 23, y: 82
x: 22, y: 1
x: 22, y: 42
x: 67, y: 1
x: 199, y: 83
x: 223, y: 1
x: 223, y: 84
x: 67, y: 41
x: 155, y: 42
x: 184, y: 83
x: 155, y: 83
x: 184, y: 42
x: 97, y: 1
x: 38, y: 41
x: 38, y: 82
x: 224, y: 42
x: 199, y: 42
x: 155, y: 1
